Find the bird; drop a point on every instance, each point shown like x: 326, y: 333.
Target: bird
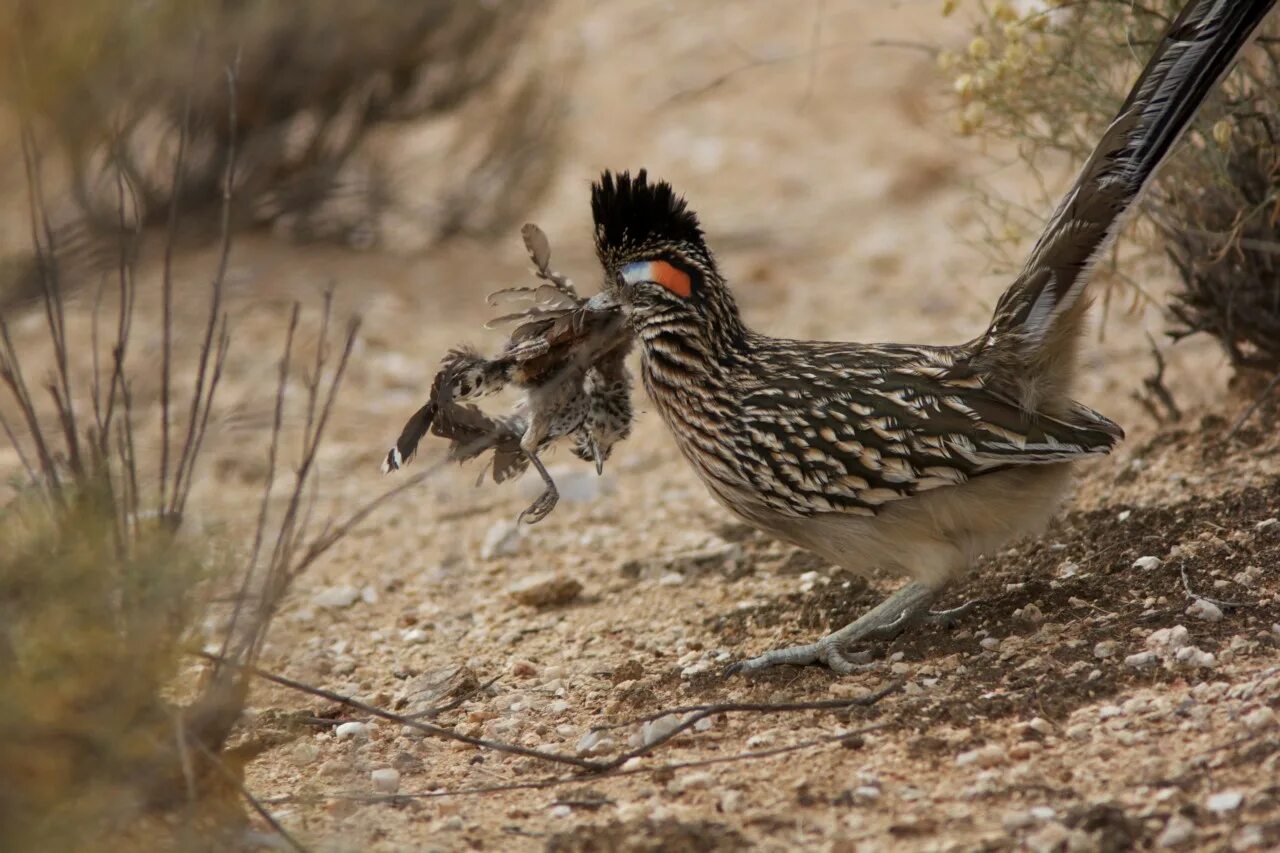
x: 568, y: 360
x: 911, y: 459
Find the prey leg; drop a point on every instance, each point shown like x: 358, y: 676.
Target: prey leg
x: 547, y: 500
x: 888, y: 619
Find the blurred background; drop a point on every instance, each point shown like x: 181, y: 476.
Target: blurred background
x: 865, y: 170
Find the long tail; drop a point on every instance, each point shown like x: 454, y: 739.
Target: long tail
x: 1033, y: 336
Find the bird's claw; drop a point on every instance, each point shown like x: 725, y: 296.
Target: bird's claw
x: 540, y: 508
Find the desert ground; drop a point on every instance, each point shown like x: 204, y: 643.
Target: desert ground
x: 1090, y: 701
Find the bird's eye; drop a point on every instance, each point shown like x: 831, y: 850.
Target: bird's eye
x: 660, y: 272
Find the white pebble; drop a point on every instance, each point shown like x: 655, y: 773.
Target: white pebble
x: 1123, y: 515
x: 414, y: 635
x: 731, y: 801
x: 1169, y: 638
x: 1192, y: 656
x: 1224, y: 801
x: 1203, y: 608
x: 594, y: 743
x: 1104, y: 649
x: 1142, y: 660
x: 671, y: 579
x: 561, y: 811
x: 1178, y: 831
x: 985, y: 756
x: 990, y: 643
x: 369, y: 595
x: 386, y: 780
x: 559, y: 706
x: 654, y: 730
x: 501, y: 540
x: 352, y: 731
x: 1147, y: 564
x: 690, y: 782
x: 1267, y: 525
x: 866, y: 793
x: 1040, y: 726
x: 336, y: 597
x: 1260, y: 718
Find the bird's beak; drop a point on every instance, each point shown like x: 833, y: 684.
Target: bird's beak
x: 603, y: 301
x: 599, y: 457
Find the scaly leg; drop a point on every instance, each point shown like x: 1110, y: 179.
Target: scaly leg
x: 899, y: 611
x: 546, y: 501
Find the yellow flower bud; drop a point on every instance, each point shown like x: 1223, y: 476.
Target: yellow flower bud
x: 979, y: 48
x: 1002, y: 11
x: 1222, y: 131
x: 948, y: 6
x: 964, y: 85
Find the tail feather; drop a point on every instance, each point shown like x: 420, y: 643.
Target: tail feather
x: 1036, y: 323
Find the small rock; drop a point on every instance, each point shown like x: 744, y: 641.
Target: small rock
x: 545, y: 590
x: 561, y: 811
x: 985, y: 756
x: 305, y: 753
x: 654, y: 730
x: 1040, y: 726
x: 1105, y: 649
x: 1178, y: 831
x: 559, y: 706
x: 336, y: 597
x: 386, y: 780
x: 1142, y: 660
x: 690, y: 782
x: 866, y: 793
x: 351, y: 731
x: 415, y: 636
x: 1013, y: 821
x: 1171, y: 639
x: 1224, y: 801
x: 369, y: 595
x: 731, y: 801
x: 1123, y: 515
x: 524, y: 669
x: 1147, y: 564
x: 1268, y: 525
x: 594, y: 743
x: 501, y: 540
x: 990, y: 643
x: 1192, y: 656
x: 1260, y: 718
x: 1203, y: 608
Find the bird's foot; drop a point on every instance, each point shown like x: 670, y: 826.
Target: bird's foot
x: 540, y: 508
x: 906, y: 607
x: 828, y: 651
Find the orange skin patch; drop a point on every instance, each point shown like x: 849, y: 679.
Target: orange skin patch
x: 660, y: 272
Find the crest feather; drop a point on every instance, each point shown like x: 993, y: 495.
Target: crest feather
x: 632, y: 213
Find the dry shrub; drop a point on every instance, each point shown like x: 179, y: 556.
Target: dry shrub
x: 1047, y: 77
x: 109, y: 84
x: 109, y: 743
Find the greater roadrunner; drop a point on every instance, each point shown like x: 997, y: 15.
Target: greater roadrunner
x: 566, y: 355
x: 914, y: 459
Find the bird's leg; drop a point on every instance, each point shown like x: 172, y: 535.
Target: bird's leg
x: 888, y: 619
x: 547, y: 500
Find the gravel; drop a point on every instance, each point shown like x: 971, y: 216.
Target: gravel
x: 336, y: 597
x: 352, y: 731
x: 1147, y: 564
x: 386, y: 780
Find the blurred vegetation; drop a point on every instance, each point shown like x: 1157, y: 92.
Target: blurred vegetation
x: 1049, y: 76
x: 112, y: 87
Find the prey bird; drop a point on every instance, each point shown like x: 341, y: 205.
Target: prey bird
x: 912, y: 459
x: 567, y: 356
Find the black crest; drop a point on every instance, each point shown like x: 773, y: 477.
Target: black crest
x: 633, y: 212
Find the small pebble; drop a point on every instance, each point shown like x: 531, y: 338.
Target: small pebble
x: 654, y: 730
x: 690, y: 782
x: 502, y: 539
x: 386, y: 780
x: 545, y: 590
x: 1267, y: 525
x: 415, y: 636
x: 523, y: 669
x: 561, y: 811
x: 1204, y: 609
x: 990, y: 643
x: 1224, y: 801
x: 352, y: 731
x: 1178, y: 831
x: 1142, y: 660
x: 1040, y: 726
x: 1260, y: 718
x: 336, y: 597
x: 1192, y: 656
x: 1105, y: 649
x: 594, y: 743
x: 1147, y: 564
x: 731, y: 801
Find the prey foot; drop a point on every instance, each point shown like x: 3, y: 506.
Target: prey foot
x: 540, y: 508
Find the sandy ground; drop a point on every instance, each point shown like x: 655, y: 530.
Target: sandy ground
x: 1065, y: 712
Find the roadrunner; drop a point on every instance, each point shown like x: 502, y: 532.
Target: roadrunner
x: 913, y: 459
